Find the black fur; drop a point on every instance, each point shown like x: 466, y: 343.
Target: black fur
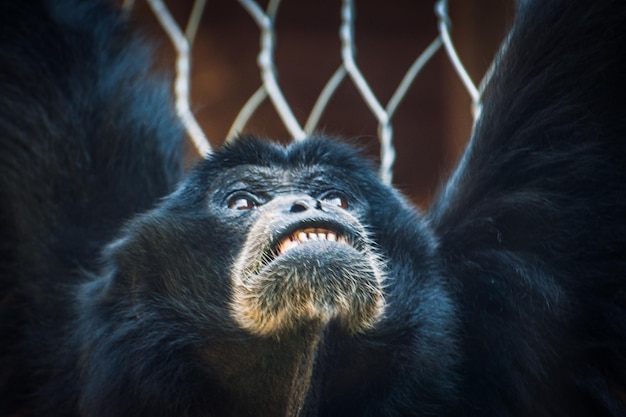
x: 506, y: 299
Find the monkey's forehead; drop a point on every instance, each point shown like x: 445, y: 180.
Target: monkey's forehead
x: 306, y: 153
x: 263, y: 177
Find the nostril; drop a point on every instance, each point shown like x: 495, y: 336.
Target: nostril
x: 299, y: 206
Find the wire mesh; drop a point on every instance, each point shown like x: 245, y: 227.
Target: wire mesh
x: 348, y: 71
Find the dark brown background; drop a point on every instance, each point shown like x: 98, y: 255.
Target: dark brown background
x: 432, y: 124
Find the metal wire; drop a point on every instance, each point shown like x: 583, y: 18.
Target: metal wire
x: 441, y: 10
x: 270, y: 88
x: 265, y: 21
x: 182, y: 44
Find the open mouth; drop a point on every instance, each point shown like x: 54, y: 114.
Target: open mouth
x: 308, y: 234
x: 307, y: 270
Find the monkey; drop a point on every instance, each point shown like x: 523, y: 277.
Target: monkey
x: 289, y: 280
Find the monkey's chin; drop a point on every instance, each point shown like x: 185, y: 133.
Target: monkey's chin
x: 312, y: 283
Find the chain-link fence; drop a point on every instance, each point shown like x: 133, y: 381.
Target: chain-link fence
x: 182, y: 36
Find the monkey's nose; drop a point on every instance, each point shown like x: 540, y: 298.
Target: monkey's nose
x: 301, y: 205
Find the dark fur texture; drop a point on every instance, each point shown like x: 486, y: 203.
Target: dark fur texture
x: 506, y: 299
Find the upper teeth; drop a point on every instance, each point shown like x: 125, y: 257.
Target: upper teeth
x: 304, y: 235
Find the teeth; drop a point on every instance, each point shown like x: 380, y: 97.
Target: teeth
x: 305, y: 235
x: 287, y: 244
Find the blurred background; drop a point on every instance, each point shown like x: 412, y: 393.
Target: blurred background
x: 432, y: 124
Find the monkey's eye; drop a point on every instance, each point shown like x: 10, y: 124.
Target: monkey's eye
x: 240, y: 202
x: 335, y: 199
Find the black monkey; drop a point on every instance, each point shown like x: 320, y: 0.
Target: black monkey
x: 289, y: 281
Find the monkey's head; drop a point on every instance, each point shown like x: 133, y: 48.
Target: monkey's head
x: 276, y: 237
x: 302, y: 254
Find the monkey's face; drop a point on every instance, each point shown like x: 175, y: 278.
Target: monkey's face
x: 306, y: 257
